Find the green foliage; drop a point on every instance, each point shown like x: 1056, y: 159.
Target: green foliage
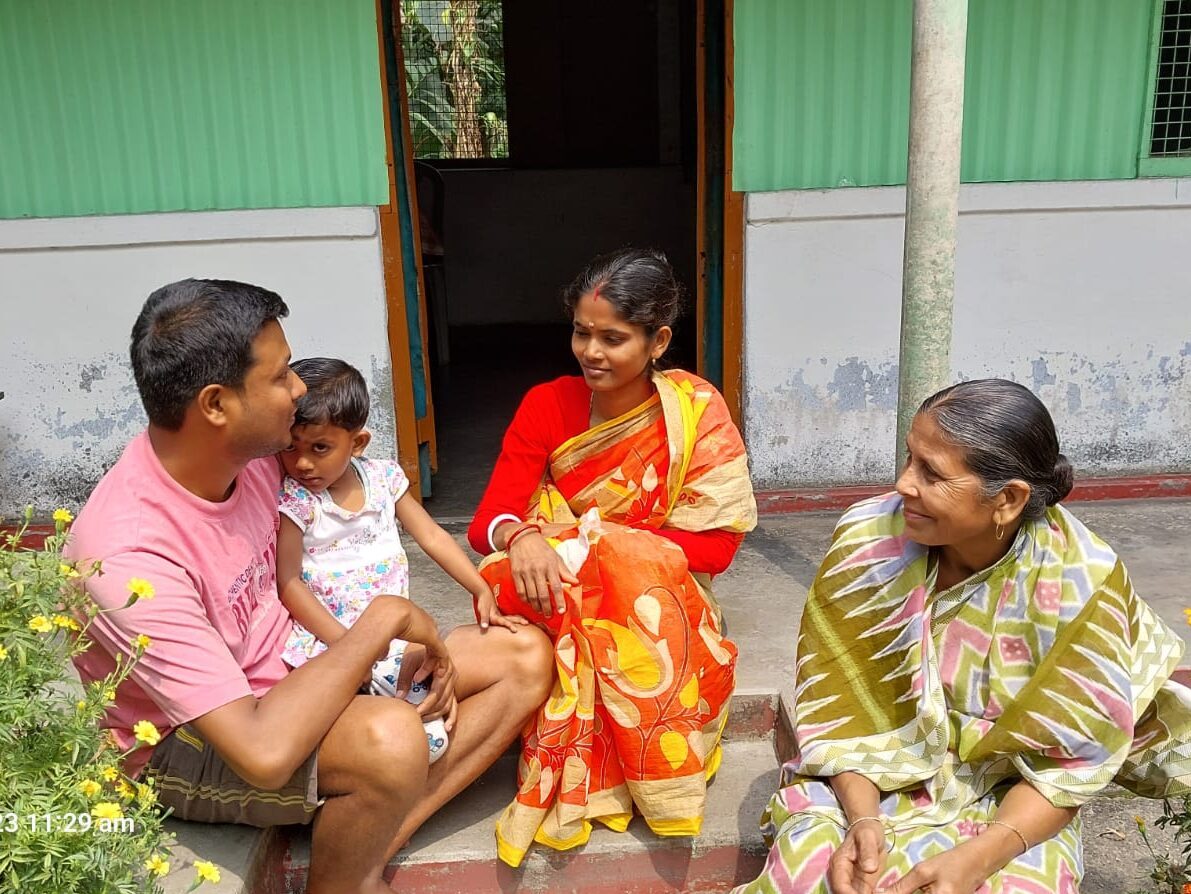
x: 1171, y: 874
x: 426, y: 44
x: 69, y: 819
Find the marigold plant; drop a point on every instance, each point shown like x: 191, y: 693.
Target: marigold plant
x: 1172, y: 870
x: 70, y: 820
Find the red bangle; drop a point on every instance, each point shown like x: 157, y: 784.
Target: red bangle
x: 523, y: 529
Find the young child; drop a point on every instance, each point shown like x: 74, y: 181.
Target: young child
x: 338, y: 546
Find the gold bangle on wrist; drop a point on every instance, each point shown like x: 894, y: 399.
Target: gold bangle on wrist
x: 1012, y: 828
x: 861, y: 819
x: 878, y: 819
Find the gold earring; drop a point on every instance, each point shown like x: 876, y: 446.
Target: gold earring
x: 1000, y: 532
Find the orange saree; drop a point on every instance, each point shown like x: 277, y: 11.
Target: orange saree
x: 644, y: 673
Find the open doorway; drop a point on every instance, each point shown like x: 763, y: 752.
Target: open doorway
x: 596, y: 148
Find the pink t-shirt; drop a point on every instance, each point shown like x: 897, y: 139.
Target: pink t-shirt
x: 216, y: 625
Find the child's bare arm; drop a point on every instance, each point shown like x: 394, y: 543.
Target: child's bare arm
x: 442, y: 548
x: 295, y: 595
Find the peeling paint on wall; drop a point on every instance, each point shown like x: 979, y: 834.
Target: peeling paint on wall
x: 52, y: 457
x: 70, y: 402
x: 806, y: 428
x: 1127, y: 415
x: 381, y: 421
x: 1089, y: 308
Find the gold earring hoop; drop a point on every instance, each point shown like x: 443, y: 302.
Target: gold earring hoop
x: 1000, y: 532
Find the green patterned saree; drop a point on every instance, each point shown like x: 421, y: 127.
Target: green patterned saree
x: 1046, y: 667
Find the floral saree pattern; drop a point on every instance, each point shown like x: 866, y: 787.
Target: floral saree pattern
x: 644, y: 673
x: 1045, y: 667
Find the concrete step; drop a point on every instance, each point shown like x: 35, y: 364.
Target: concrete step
x: 456, y: 850
x: 460, y: 837
x: 241, y: 854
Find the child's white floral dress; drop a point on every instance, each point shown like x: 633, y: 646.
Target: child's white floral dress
x: 348, y: 558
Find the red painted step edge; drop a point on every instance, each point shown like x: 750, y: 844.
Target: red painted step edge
x: 1151, y: 487
x: 662, y: 871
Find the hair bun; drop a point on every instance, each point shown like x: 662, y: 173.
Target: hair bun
x: 1064, y: 479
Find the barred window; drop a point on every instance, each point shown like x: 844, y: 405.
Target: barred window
x: 1170, y: 126
x: 455, y: 78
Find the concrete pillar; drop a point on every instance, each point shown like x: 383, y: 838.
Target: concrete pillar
x: 932, y: 204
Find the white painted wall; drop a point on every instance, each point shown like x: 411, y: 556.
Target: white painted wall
x: 1082, y: 291
x: 70, y: 289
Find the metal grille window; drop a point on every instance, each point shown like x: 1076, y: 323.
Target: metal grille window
x: 455, y: 78
x: 1168, y: 138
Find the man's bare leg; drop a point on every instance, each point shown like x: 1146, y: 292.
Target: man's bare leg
x: 371, y: 772
x: 503, y: 679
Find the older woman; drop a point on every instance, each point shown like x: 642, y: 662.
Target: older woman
x: 973, y: 665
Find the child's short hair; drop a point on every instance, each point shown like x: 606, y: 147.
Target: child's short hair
x: 336, y: 394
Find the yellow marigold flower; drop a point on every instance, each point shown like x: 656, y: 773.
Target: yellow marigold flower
x: 140, y: 589
x: 90, y: 788
x: 63, y: 516
x: 146, y: 732
x: 81, y: 704
x: 157, y: 865
x: 125, y: 791
x: 141, y: 642
x: 66, y: 570
x: 109, y: 694
x: 146, y: 795
x: 3, y: 653
x: 41, y: 624
x: 64, y: 621
x: 107, y: 810
x: 110, y: 774
x: 206, y: 872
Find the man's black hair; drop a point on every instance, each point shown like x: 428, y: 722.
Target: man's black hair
x: 194, y: 333
x: 336, y: 394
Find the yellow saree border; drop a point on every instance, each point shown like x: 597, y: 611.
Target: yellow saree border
x: 681, y: 421
x: 576, y: 442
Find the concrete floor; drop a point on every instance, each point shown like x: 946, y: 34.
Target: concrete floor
x: 475, y: 397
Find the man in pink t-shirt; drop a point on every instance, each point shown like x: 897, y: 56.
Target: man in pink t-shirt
x: 190, y: 507
x: 215, y: 623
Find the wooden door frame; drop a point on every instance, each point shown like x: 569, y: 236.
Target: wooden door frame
x: 720, y: 223
x: 723, y: 324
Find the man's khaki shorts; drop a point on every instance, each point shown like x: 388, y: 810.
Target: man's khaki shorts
x: 192, y: 779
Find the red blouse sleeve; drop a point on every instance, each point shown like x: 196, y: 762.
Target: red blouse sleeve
x: 710, y: 552
x: 542, y: 422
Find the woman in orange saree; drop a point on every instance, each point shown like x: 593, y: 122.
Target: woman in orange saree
x: 634, y: 502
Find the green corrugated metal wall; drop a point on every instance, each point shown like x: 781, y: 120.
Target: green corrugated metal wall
x: 119, y: 106
x: 1055, y: 91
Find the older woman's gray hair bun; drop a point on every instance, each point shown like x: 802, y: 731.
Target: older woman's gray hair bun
x: 1006, y: 433
x: 1064, y: 479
